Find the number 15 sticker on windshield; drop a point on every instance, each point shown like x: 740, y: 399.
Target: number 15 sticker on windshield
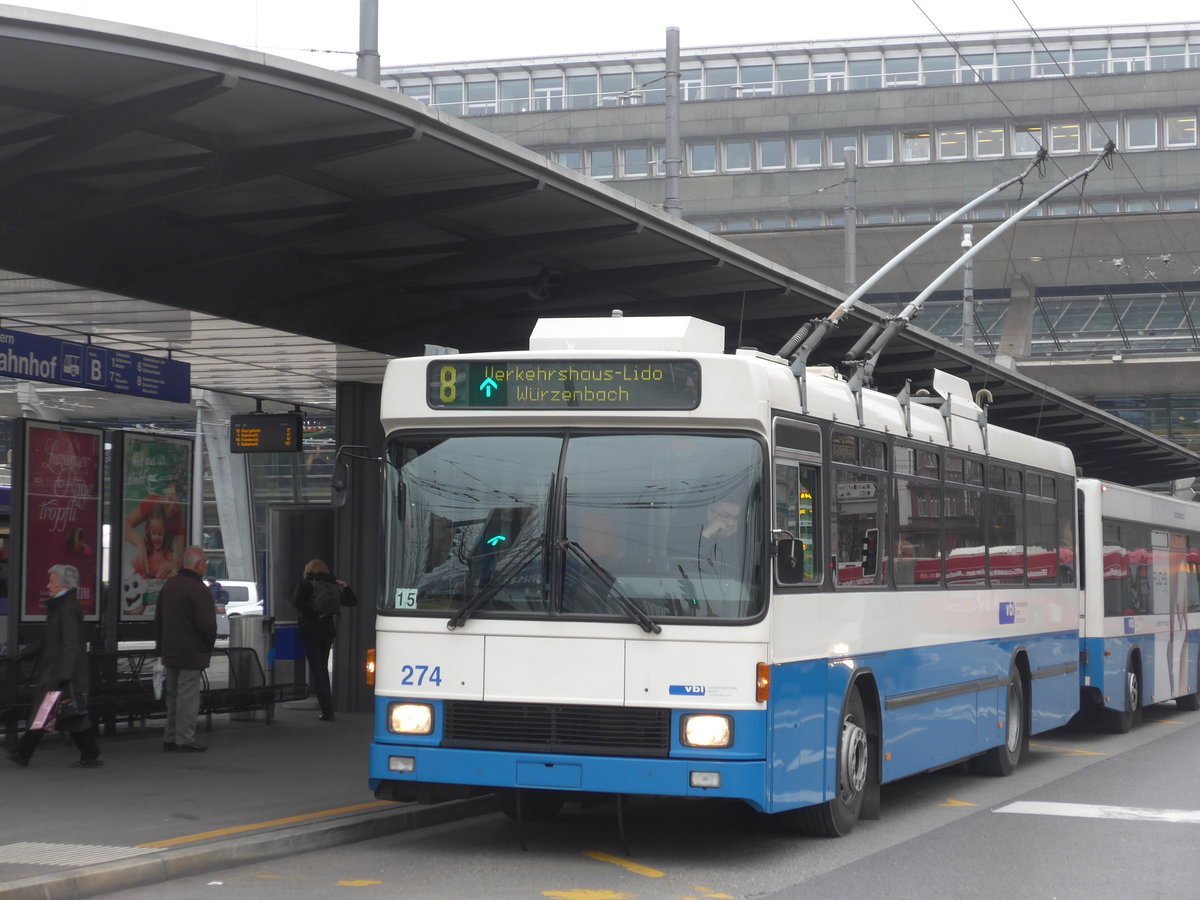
x: 406, y: 598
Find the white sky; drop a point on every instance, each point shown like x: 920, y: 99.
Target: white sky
x: 325, y: 32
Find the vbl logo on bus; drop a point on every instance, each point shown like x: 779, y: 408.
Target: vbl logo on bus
x: 690, y: 690
x: 1008, y: 612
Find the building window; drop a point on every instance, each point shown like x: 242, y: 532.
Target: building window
x: 739, y: 223
x: 879, y: 147
x: 952, y: 143
x: 1128, y: 59
x: 1051, y: 63
x: 877, y: 217
x: 702, y: 158
x: 772, y: 153
x: 977, y: 67
x: 635, y: 162
x: 481, y: 98
x: 1064, y: 138
x: 569, y: 158
x: 1173, y: 57
x: 806, y: 151
x: 773, y: 222
x: 988, y: 213
x: 718, y: 83
x: 1100, y: 132
x: 1090, y: 62
x: 600, y: 163
x: 737, y: 156
x: 1012, y: 66
x: 514, y: 95
x: 757, y: 81
x: 938, y: 69
x: 616, y: 89
x: 449, y: 97
x: 548, y: 93
x: 658, y: 160
x: 650, y: 87
x: 418, y: 90
x: 1141, y: 132
x: 838, y: 145
x: 1027, y: 139
x: 899, y: 72
x: 1104, y: 207
x: 691, y: 85
x: 915, y: 146
x: 865, y: 74
x: 1180, y: 131
x: 1064, y: 208
x: 1181, y: 203
x: 792, y: 78
x: 829, y: 76
x: 1142, y: 205
x: 581, y: 91
x: 916, y: 215
x: 989, y: 141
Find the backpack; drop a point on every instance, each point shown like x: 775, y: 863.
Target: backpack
x: 327, y: 597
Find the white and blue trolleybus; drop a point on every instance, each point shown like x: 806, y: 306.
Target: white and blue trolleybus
x: 626, y: 562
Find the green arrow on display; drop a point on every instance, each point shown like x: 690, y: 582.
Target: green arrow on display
x: 487, y: 386
x: 496, y: 540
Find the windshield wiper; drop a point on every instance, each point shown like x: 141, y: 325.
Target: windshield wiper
x: 609, y: 581
x: 513, y: 564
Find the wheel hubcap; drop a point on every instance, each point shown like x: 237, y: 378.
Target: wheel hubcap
x: 1014, y: 717
x: 1131, y: 690
x: 853, y: 762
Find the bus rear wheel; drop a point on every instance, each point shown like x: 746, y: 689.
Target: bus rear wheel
x: 837, y: 817
x: 1002, y: 760
x: 1122, y: 720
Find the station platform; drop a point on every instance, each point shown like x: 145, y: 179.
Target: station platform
x: 260, y: 791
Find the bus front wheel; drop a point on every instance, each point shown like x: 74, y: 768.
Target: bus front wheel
x: 837, y: 817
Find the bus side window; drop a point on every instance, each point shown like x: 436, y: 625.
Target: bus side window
x: 794, y: 535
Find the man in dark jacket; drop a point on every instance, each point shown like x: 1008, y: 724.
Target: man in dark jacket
x: 62, y: 666
x: 185, y: 627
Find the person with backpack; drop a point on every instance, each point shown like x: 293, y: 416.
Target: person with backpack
x: 319, y: 598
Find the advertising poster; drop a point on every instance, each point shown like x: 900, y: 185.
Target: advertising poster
x: 154, y: 518
x: 62, y: 512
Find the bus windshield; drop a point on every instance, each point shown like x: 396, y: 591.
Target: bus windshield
x: 583, y: 526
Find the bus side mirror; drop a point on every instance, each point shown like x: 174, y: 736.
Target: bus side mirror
x: 339, y: 485
x: 789, y: 556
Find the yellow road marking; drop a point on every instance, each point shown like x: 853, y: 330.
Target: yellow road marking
x: 951, y: 802
x: 357, y: 883
x: 712, y: 895
x: 625, y: 864
x: 1070, y: 751
x: 582, y: 894
x: 258, y: 826
x: 1167, y: 722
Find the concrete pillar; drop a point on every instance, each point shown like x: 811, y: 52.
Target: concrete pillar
x: 231, y: 485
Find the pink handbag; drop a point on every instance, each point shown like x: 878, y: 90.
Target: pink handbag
x: 43, y: 719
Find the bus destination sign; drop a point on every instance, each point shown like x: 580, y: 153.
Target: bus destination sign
x: 564, y: 384
x: 266, y: 433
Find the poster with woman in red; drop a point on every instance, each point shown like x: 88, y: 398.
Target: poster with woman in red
x: 62, y: 512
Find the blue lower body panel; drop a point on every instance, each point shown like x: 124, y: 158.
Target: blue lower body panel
x: 740, y: 779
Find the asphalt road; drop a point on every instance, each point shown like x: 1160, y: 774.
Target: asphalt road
x: 1085, y: 816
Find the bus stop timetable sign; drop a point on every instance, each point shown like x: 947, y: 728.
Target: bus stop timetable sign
x: 266, y: 433
x: 57, y: 361
x: 572, y: 384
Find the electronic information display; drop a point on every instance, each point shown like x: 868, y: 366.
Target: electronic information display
x: 564, y: 384
x: 266, y: 433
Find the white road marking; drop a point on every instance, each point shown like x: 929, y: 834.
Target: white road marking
x: 1094, y: 811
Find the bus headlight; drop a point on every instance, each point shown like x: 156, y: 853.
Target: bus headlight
x: 706, y: 730
x: 410, y: 718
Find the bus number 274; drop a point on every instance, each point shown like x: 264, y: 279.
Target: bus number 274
x: 420, y: 675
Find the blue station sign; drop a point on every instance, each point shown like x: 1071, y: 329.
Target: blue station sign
x: 57, y: 361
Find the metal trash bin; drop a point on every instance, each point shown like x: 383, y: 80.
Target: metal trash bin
x: 252, y: 633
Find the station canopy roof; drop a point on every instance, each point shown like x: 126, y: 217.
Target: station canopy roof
x: 210, y: 188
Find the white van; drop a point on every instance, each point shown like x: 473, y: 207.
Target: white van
x: 234, y: 598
